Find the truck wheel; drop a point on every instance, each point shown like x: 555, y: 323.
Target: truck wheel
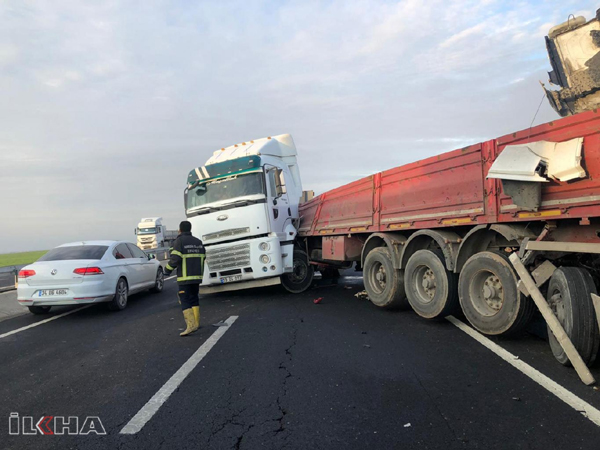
x: 300, y: 279
x: 119, y: 301
x: 569, y: 296
x: 430, y: 288
x: 489, y: 296
x: 383, y: 283
x: 39, y: 309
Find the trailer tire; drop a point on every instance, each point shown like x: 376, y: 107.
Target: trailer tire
x: 301, y: 278
x: 489, y: 297
x: 431, y: 289
x: 569, y: 296
x: 383, y: 283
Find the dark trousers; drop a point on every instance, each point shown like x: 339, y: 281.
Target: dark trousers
x: 188, y: 295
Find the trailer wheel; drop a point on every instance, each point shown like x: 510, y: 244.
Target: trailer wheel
x: 430, y: 288
x: 489, y: 296
x: 300, y: 279
x: 569, y: 296
x: 383, y: 283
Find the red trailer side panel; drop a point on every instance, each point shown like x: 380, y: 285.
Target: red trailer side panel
x: 452, y: 189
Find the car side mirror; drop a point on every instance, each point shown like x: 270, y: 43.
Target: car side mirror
x: 151, y: 256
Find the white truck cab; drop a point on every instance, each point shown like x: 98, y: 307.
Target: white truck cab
x: 151, y: 233
x: 243, y: 205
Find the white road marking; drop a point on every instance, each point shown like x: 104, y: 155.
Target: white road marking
x: 149, y: 409
x: 170, y: 278
x: 353, y: 277
x: 551, y: 386
x: 18, y: 330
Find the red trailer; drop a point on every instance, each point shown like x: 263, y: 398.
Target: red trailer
x: 435, y: 234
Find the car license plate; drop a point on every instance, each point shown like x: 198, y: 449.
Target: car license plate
x: 52, y: 292
x: 230, y: 279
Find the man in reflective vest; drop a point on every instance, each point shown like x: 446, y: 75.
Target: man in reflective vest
x: 187, y: 256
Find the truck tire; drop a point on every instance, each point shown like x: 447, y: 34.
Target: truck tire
x: 431, y: 288
x: 569, y: 296
x: 489, y: 296
x: 119, y: 301
x: 301, y: 278
x: 383, y: 283
x: 39, y: 309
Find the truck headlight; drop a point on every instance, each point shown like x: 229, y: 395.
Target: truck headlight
x: 265, y: 259
x: 264, y: 246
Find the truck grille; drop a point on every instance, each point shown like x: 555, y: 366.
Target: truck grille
x: 228, y: 258
x: 226, y: 233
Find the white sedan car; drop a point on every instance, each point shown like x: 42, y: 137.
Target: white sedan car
x: 88, y: 272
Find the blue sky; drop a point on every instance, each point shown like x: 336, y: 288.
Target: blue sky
x: 107, y: 107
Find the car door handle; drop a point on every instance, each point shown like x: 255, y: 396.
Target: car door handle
x: 275, y: 213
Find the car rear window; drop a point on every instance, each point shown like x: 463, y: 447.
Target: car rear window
x: 75, y: 252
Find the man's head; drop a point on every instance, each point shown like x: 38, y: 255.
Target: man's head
x: 185, y: 227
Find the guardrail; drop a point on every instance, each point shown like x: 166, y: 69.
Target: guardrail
x: 8, y: 277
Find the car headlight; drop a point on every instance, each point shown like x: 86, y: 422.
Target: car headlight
x: 264, y: 246
x: 265, y: 259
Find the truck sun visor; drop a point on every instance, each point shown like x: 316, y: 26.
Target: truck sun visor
x: 234, y: 166
x: 540, y: 161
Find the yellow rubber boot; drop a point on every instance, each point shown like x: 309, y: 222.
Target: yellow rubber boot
x: 190, y: 322
x: 196, y: 310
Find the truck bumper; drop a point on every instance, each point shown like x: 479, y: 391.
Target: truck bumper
x: 240, y: 285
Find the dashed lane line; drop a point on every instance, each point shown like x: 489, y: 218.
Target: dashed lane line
x: 551, y: 386
x: 18, y: 330
x: 149, y: 409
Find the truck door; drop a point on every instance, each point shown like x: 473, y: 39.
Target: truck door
x: 278, y: 201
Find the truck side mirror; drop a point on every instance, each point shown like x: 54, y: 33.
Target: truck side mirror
x: 280, y: 188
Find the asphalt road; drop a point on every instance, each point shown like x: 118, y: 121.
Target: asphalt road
x: 287, y: 373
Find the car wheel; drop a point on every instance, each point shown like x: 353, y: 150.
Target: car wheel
x: 160, y: 281
x: 119, y: 301
x: 39, y: 309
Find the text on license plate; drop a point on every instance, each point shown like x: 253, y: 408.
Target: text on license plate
x: 51, y: 292
x: 230, y: 279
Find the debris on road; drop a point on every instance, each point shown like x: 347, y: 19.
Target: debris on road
x: 362, y: 295
x: 316, y: 301
x: 347, y: 287
x: 366, y: 346
x: 406, y: 425
x: 220, y: 324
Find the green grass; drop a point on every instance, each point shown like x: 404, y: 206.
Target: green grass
x: 15, y: 259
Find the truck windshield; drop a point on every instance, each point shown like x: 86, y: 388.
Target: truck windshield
x: 225, y: 189
x: 146, y: 231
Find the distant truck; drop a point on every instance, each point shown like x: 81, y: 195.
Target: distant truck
x: 151, y: 233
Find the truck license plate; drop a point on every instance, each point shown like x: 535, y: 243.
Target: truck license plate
x: 230, y: 279
x: 52, y: 292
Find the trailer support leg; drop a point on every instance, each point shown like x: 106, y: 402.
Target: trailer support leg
x: 555, y: 326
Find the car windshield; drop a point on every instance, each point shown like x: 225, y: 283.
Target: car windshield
x: 146, y: 230
x: 225, y: 189
x: 75, y: 252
